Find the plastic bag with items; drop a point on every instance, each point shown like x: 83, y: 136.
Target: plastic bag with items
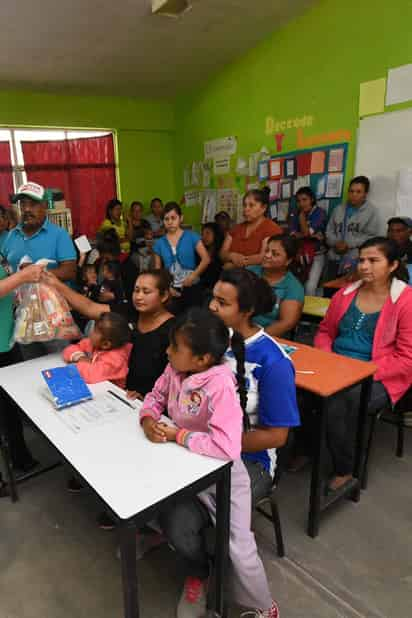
x: 43, y: 315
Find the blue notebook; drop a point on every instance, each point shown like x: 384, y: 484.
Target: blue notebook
x: 66, y: 386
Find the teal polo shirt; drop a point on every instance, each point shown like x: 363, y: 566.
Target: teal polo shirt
x: 288, y: 288
x: 50, y: 241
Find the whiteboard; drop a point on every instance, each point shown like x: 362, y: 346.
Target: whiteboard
x: 384, y: 148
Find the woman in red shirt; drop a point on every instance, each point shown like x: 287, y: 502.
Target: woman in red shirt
x: 245, y: 243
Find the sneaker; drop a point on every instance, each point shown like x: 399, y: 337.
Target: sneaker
x: 105, y: 522
x: 192, y: 603
x: 273, y: 612
x: 74, y: 486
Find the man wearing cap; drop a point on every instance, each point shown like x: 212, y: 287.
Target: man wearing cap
x: 37, y: 237
x: 400, y: 230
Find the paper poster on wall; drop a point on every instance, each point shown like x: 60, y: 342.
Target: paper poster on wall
x: 404, y: 193
x: 275, y: 168
x: 290, y: 168
x: 321, y: 187
x: 251, y: 186
x: 192, y: 198
x: 227, y: 200
x: 209, y: 205
x: 206, y: 175
x: 195, y: 181
x: 187, y: 178
x: 221, y: 166
x: 335, y: 163
x: 223, y: 147
x: 283, y: 211
x: 274, y: 186
x: 253, y: 163
x: 286, y: 190
x: 334, y: 185
x: 263, y: 170
x: 317, y: 164
x: 301, y: 181
x: 372, y: 97
x: 242, y: 166
x: 399, y: 88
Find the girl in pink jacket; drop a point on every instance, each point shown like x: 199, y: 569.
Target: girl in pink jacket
x: 105, y: 354
x: 370, y: 319
x: 199, y: 392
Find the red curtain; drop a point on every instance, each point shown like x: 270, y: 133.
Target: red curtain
x: 84, y: 169
x: 6, y: 174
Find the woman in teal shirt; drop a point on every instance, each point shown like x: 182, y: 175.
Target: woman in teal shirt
x: 20, y: 455
x: 280, y: 253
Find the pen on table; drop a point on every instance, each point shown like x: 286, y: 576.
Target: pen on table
x: 126, y: 403
x: 305, y: 372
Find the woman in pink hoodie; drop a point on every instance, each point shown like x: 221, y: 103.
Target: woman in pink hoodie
x: 105, y: 354
x: 199, y: 392
x: 370, y: 319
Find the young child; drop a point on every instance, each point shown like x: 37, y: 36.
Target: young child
x: 199, y: 392
x: 105, y: 354
x: 88, y: 281
x: 111, y: 289
x: 143, y: 258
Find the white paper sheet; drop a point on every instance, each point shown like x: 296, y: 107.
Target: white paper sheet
x: 301, y: 181
x: 221, y: 166
x: 399, y: 85
x: 263, y: 170
x: 334, y: 185
x: 90, y: 414
x: 83, y: 245
x: 335, y: 163
x: 192, y: 198
x: 253, y: 163
x: 286, y: 190
x: 209, y: 206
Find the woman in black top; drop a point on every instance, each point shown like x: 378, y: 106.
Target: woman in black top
x: 150, y: 338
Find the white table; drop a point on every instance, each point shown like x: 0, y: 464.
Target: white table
x: 133, y: 476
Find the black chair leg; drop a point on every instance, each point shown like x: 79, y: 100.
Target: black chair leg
x: 364, y: 478
x: 401, y: 437
x: 277, y: 527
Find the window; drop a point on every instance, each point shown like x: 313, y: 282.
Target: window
x: 79, y: 163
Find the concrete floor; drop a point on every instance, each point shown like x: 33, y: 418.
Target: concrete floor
x: 56, y: 563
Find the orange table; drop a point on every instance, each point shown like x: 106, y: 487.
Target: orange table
x: 325, y: 374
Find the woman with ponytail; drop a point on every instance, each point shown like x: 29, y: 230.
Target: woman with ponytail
x: 368, y: 320
x: 198, y: 389
x: 245, y: 243
x: 269, y: 376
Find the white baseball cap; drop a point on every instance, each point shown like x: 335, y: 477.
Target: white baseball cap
x: 32, y: 190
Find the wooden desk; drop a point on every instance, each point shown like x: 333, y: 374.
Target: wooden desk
x: 132, y: 476
x: 325, y: 374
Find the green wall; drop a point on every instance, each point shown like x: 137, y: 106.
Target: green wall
x: 144, y: 131
x: 313, y: 66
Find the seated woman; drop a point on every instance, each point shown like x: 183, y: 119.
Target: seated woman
x: 184, y: 255
x: 245, y: 243
x: 238, y: 297
x: 368, y: 320
x: 136, y: 226
x: 114, y: 220
x: 212, y: 237
x: 310, y: 226
x: 281, y: 251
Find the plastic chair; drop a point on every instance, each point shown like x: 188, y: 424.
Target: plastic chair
x: 394, y: 417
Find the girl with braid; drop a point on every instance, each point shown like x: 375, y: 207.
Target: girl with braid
x: 271, y: 408
x: 199, y: 391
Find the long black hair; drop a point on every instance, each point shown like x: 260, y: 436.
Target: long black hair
x: 218, y: 235
x: 109, y: 207
x: 254, y: 293
x: 259, y: 195
x: 205, y: 333
x: 390, y: 250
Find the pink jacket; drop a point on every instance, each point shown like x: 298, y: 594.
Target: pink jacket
x: 110, y: 365
x: 204, y: 405
x: 392, y: 343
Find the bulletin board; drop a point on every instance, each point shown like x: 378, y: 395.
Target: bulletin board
x: 211, y: 186
x: 321, y: 168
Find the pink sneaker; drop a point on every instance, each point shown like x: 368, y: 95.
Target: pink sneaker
x: 192, y: 603
x: 272, y: 612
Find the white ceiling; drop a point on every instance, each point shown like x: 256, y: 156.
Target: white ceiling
x: 118, y: 47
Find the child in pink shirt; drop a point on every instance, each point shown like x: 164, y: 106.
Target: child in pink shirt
x: 200, y: 394
x: 105, y: 354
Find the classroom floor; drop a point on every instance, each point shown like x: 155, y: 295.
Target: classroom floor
x: 56, y: 563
